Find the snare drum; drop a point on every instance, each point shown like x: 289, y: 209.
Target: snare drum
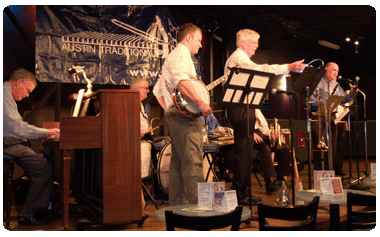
x: 164, y: 164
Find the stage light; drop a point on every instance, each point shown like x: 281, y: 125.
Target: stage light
x: 348, y: 39
x: 356, y: 42
x: 328, y: 44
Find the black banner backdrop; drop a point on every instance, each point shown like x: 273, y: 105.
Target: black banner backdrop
x: 114, y: 44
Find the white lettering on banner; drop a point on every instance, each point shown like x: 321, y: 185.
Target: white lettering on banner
x: 143, y: 73
x: 151, y: 53
x: 141, y: 44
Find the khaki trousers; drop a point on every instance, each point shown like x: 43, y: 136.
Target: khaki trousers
x: 186, y: 166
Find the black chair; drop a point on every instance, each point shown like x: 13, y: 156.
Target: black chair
x: 364, y: 218
x: 8, y: 168
x: 203, y: 223
x: 306, y: 214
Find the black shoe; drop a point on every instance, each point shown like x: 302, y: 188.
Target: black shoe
x: 31, y: 221
x: 340, y: 173
x: 245, y: 201
x: 144, y: 216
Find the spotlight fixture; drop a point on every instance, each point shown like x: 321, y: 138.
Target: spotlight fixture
x: 328, y: 44
x: 357, y: 45
x: 348, y: 39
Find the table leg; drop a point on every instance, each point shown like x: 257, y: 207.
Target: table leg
x: 334, y: 217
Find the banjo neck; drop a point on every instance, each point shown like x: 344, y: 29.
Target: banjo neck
x: 215, y: 83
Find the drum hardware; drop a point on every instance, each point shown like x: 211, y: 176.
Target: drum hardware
x: 160, y: 122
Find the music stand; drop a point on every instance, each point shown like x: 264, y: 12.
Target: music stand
x: 310, y: 78
x: 240, y: 84
x: 246, y: 88
x: 327, y: 108
x: 306, y: 82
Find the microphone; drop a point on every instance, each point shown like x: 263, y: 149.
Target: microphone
x: 357, y: 81
x: 346, y: 79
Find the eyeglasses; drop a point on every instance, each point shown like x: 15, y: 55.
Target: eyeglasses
x: 28, y: 86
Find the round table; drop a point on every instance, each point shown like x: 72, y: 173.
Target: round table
x: 193, y: 210
x: 333, y: 199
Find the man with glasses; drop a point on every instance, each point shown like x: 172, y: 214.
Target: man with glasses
x: 16, y: 133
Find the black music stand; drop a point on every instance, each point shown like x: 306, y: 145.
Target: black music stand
x: 247, y: 88
x: 306, y: 82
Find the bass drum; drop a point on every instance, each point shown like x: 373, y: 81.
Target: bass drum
x: 163, y: 168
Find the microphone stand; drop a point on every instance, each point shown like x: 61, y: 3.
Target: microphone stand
x: 360, y: 186
x: 289, y: 94
x: 308, y: 139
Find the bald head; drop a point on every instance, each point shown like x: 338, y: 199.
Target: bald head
x: 332, y: 71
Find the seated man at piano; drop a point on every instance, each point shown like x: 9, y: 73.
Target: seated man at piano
x: 16, y: 133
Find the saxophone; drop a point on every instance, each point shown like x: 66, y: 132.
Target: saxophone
x: 275, y: 130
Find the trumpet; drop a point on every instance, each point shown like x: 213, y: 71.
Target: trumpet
x: 275, y: 140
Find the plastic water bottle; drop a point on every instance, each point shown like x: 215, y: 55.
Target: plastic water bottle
x: 284, y: 199
x: 300, y: 188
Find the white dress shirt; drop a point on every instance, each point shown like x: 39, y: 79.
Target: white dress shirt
x: 240, y: 59
x: 263, y: 124
x: 177, y: 67
x: 145, y: 145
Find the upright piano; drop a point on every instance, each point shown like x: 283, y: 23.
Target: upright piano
x: 114, y: 130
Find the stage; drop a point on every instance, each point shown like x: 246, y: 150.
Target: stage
x: 153, y: 224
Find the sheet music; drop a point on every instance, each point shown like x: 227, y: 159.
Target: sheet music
x: 341, y: 115
x: 228, y: 95
x: 258, y: 97
x: 239, y: 79
x: 259, y: 82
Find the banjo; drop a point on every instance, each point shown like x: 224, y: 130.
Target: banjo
x: 186, y: 107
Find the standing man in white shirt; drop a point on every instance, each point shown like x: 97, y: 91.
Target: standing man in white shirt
x: 247, y: 41
x: 186, y: 165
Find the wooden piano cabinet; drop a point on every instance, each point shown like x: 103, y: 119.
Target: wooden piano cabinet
x: 116, y: 130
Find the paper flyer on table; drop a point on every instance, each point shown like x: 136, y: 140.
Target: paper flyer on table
x: 229, y: 201
x: 210, y: 195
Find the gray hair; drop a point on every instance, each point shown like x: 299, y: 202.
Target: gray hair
x: 136, y: 81
x: 246, y: 34
x: 23, y: 74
